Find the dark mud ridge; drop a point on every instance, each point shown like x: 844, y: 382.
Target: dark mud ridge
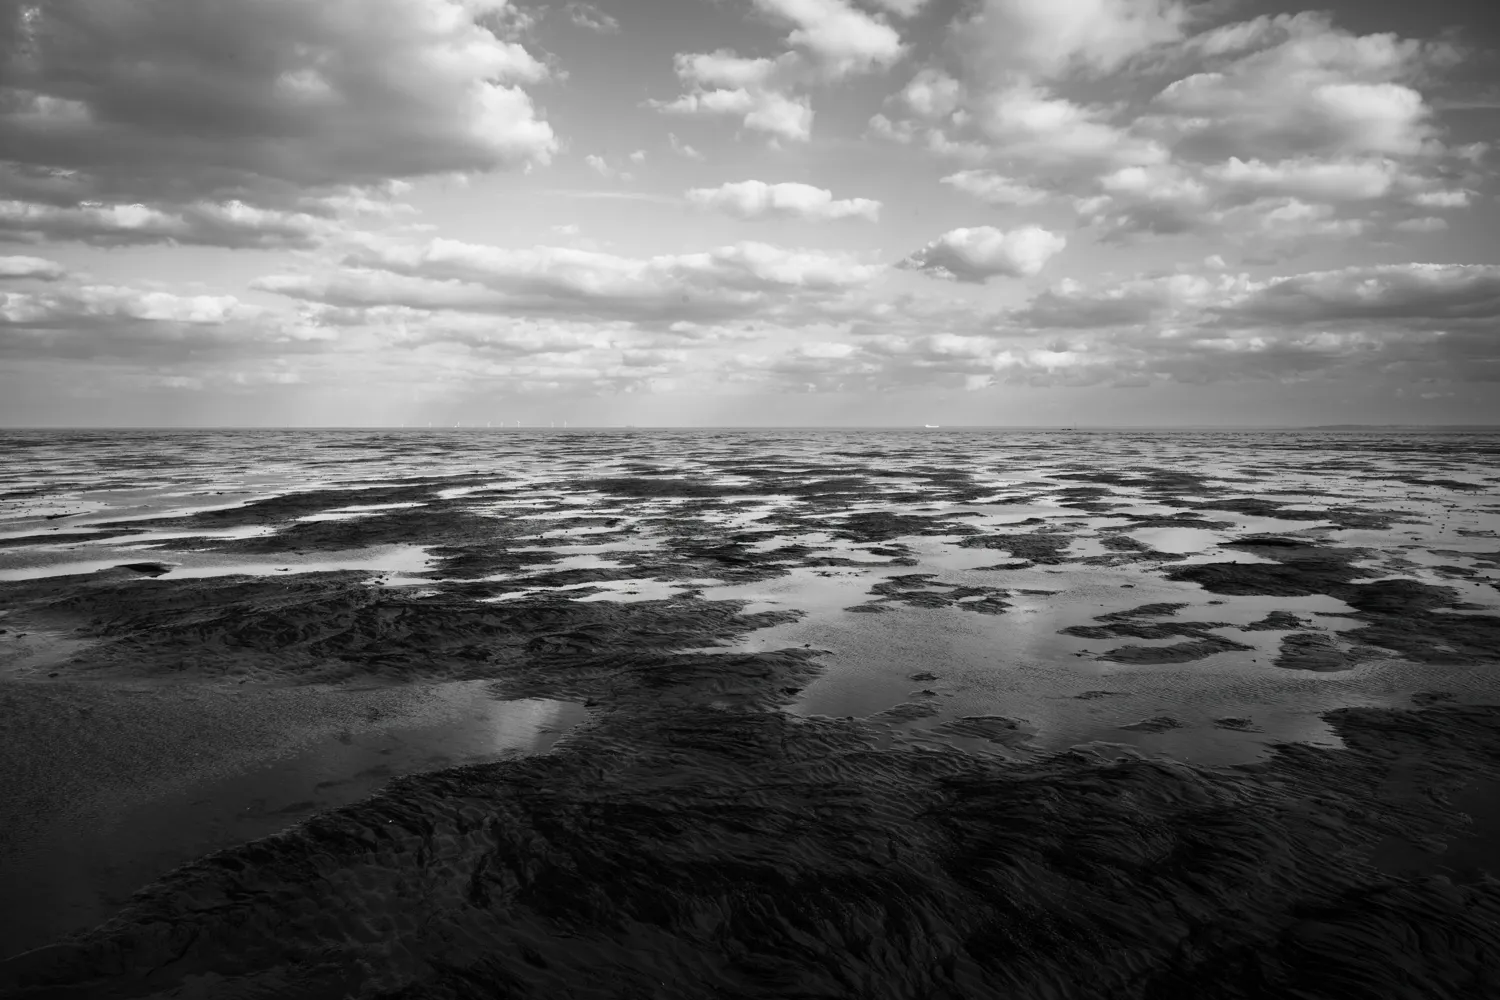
x: 710, y: 853
x: 692, y: 840
x: 1403, y: 616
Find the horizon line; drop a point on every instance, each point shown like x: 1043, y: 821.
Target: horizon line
x: 745, y: 427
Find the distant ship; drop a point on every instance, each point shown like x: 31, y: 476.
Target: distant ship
x: 931, y: 425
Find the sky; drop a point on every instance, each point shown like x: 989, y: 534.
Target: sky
x: 748, y: 212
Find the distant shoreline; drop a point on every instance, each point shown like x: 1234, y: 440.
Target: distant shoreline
x: 770, y: 427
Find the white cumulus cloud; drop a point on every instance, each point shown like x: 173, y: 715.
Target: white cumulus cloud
x: 31, y: 267
x: 840, y: 37
x: 978, y: 254
x: 757, y: 200
x: 1047, y: 38
x: 993, y: 188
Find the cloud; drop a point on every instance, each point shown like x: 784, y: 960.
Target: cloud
x: 842, y: 39
x: 1272, y: 224
x: 955, y: 361
x: 1388, y: 293
x: 1379, y: 321
x: 708, y: 102
x: 1046, y: 39
x: 1240, y: 200
x: 614, y: 195
x: 1441, y: 199
x: 228, y: 224
x: 901, y: 8
x: 1030, y: 123
x: 769, y: 111
x: 38, y: 310
x: 782, y: 116
x: 1307, y: 177
x: 123, y: 338
x: 1413, y: 321
x: 1314, y: 90
x: 119, y: 105
x: 759, y: 200
x: 932, y: 94
x: 976, y: 255
x: 1324, y: 132
x: 602, y: 167
x: 993, y: 188
x: 753, y: 90
x: 1162, y: 200
x: 450, y: 317
x: 1288, y: 218
x: 834, y: 41
x: 1069, y: 304
x: 31, y: 267
x: 683, y: 149
x: 340, y: 92
x: 587, y: 15
x: 722, y: 69
x: 133, y: 326
x: 1424, y: 224
x: 737, y: 281
x: 882, y: 127
x: 1007, y: 102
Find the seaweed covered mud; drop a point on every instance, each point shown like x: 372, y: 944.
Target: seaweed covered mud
x: 750, y: 714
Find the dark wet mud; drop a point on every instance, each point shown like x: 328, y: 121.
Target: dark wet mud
x: 719, y: 715
x: 747, y: 854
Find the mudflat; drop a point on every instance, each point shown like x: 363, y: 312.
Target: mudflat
x: 750, y: 714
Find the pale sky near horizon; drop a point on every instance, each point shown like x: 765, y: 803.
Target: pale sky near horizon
x: 748, y: 212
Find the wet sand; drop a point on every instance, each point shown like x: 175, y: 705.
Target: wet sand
x: 109, y: 786
x: 939, y: 715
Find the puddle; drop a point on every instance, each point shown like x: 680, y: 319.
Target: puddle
x: 51, y: 534
x: 629, y: 591
x: 622, y: 591
x: 577, y: 532
x: 348, y: 513
x: 80, y: 871
x: 1178, y: 540
x: 150, y: 537
x: 1018, y: 665
x: 402, y: 561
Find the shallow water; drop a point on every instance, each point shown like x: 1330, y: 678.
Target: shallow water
x: 393, y: 562
x: 1202, y: 598
x: 78, y: 869
x: 725, y: 486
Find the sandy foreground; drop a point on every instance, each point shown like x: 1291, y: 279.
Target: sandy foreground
x: 705, y: 716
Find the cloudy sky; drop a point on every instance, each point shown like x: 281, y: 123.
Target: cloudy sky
x: 730, y: 212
